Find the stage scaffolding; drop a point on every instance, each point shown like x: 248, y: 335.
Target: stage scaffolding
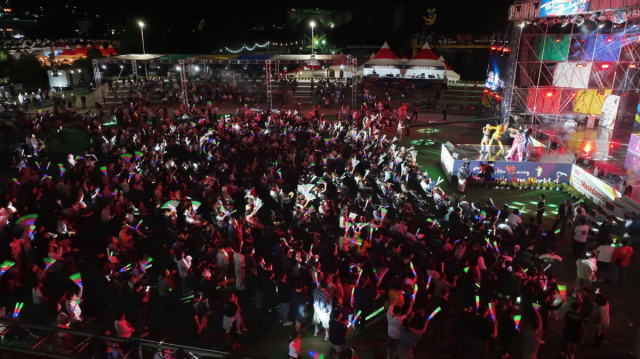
x: 270, y: 63
x: 565, y: 66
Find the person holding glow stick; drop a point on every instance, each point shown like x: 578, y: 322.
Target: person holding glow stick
x: 482, y: 330
x: 338, y: 332
x: 395, y: 317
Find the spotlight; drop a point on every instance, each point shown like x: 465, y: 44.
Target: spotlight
x: 619, y: 17
x: 578, y: 20
x: 605, y: 66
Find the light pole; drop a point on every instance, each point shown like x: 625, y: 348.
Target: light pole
x: 312, y: 41
x: 144, y: 52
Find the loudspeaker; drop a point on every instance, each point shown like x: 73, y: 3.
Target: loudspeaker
x: 450, y: 144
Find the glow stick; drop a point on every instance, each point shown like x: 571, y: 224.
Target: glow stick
x: 477, y: 301
x: 495, y: 244
x: 125, y: 268
x: 466, y: 269
x: 311, y: 249
x: 352, y: 292
x: 536, y: 306
x: 433, y: 314
x: 315, y: 276
x: 563, y: 292
x: 494, y: 206
x: 413, y: 269
x: 434, y: 223
x: 415, y: 291
x: 493, y: 312
x: 48, y: 262
x: 428, y: 282
x: 517, y: 319
x: 77, y: 279
x: 353, y: 323
x: 547, y: 267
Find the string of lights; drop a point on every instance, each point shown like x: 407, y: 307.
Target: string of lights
x: 247, y: 48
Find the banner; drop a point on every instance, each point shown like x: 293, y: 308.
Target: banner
x: 609, y: 111
x: 446, y: 162
x: 533, y: 172
x: 592, y: 187
x: 563, y: 7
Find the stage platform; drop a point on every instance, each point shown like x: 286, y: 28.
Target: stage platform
x: 537, y: 154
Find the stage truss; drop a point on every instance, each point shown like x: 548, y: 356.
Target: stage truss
x: 269, y: 63
x: 567, y: 66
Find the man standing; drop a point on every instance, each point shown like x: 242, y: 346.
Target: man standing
x: 400, y: 127
x: 482, y: 330
x: 321, y: 309
x: 445, y: 108
x: 564, y: 213
x: 416, y: 109
x: 585, y: 272
x: 299, y: 301
x: 83, y: 99
x: 620, y: 260
x: 540, y: 209
x: 284, y: 297
x: 574, y: 331
x: 338, y: 335
x: 580, y: 237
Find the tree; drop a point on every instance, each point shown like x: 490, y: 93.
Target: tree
x: 28, y: 71
x: 6, y: 66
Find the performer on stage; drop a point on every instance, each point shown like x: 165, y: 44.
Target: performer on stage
x: 484, y: 144
x: 496, y: 135
x: 517, y: 148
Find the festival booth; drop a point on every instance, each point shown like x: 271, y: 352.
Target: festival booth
x: 384, y: 64
x: 68, y: 54
x: 81, y: 50
x: 310, y: 71
x: 340, y: 65
x: 451, y: 75
x: 425, y: 65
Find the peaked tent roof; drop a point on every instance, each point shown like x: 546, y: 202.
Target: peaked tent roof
x: 384, y: 57
x: 425, y: 57
x: 441, y: 59
x: 373, y: 54
x: 111, y: 50
x: 385, y: 53
x: 80, y: 50
x: 67, y: 52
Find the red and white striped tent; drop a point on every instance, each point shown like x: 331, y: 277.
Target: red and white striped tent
x: 385, y: 63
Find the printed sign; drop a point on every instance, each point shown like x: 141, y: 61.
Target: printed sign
x: 592, y: 187
x: 532, y: 172
x: 563, y: 7
x: 446, y: 162
x: 609, y: 111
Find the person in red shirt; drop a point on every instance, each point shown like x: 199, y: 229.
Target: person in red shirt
x: 620, y: 261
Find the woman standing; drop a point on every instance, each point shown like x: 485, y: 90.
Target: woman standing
x: 484, y: 144
x: 601, y: 318
x: 294, y: 346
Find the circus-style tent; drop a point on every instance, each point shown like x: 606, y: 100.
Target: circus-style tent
x: 385, y: 64
x: 425, y: 65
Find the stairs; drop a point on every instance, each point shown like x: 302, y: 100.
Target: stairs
x: 462, y: 96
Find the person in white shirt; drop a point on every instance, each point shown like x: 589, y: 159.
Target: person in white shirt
x: 604, y: 257
x: 514, y: 219
x: 72, y: 305
x: 294, y: 345
x: 580, y: 238
x: 36, y: 294
x: 184, y: 264
x: 394, y: 319
x: 124, y: 328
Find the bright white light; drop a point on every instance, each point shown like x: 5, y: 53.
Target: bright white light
x: 122, y: 67
x: 141, y: 23
x: 178, y: 68
x: 312, y: 23
x: 104, y: 67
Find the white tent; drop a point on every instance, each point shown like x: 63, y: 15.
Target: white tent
x: 385, y: 64
x: 425, y: 65
x: 310, y: 71
x: 451, y: 75
x: 341, y: 65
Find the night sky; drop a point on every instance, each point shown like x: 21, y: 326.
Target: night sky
x: 173, y: 26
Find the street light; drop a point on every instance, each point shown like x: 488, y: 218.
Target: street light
x: 312, y: 25
x: 144, y: 52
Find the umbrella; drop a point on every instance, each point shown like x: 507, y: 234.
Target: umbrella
x: 171, y: 204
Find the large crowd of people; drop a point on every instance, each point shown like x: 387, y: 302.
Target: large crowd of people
x: 309, y: 219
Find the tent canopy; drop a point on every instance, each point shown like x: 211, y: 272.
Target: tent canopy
x: 384, y: 57
x: 425, y: 57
